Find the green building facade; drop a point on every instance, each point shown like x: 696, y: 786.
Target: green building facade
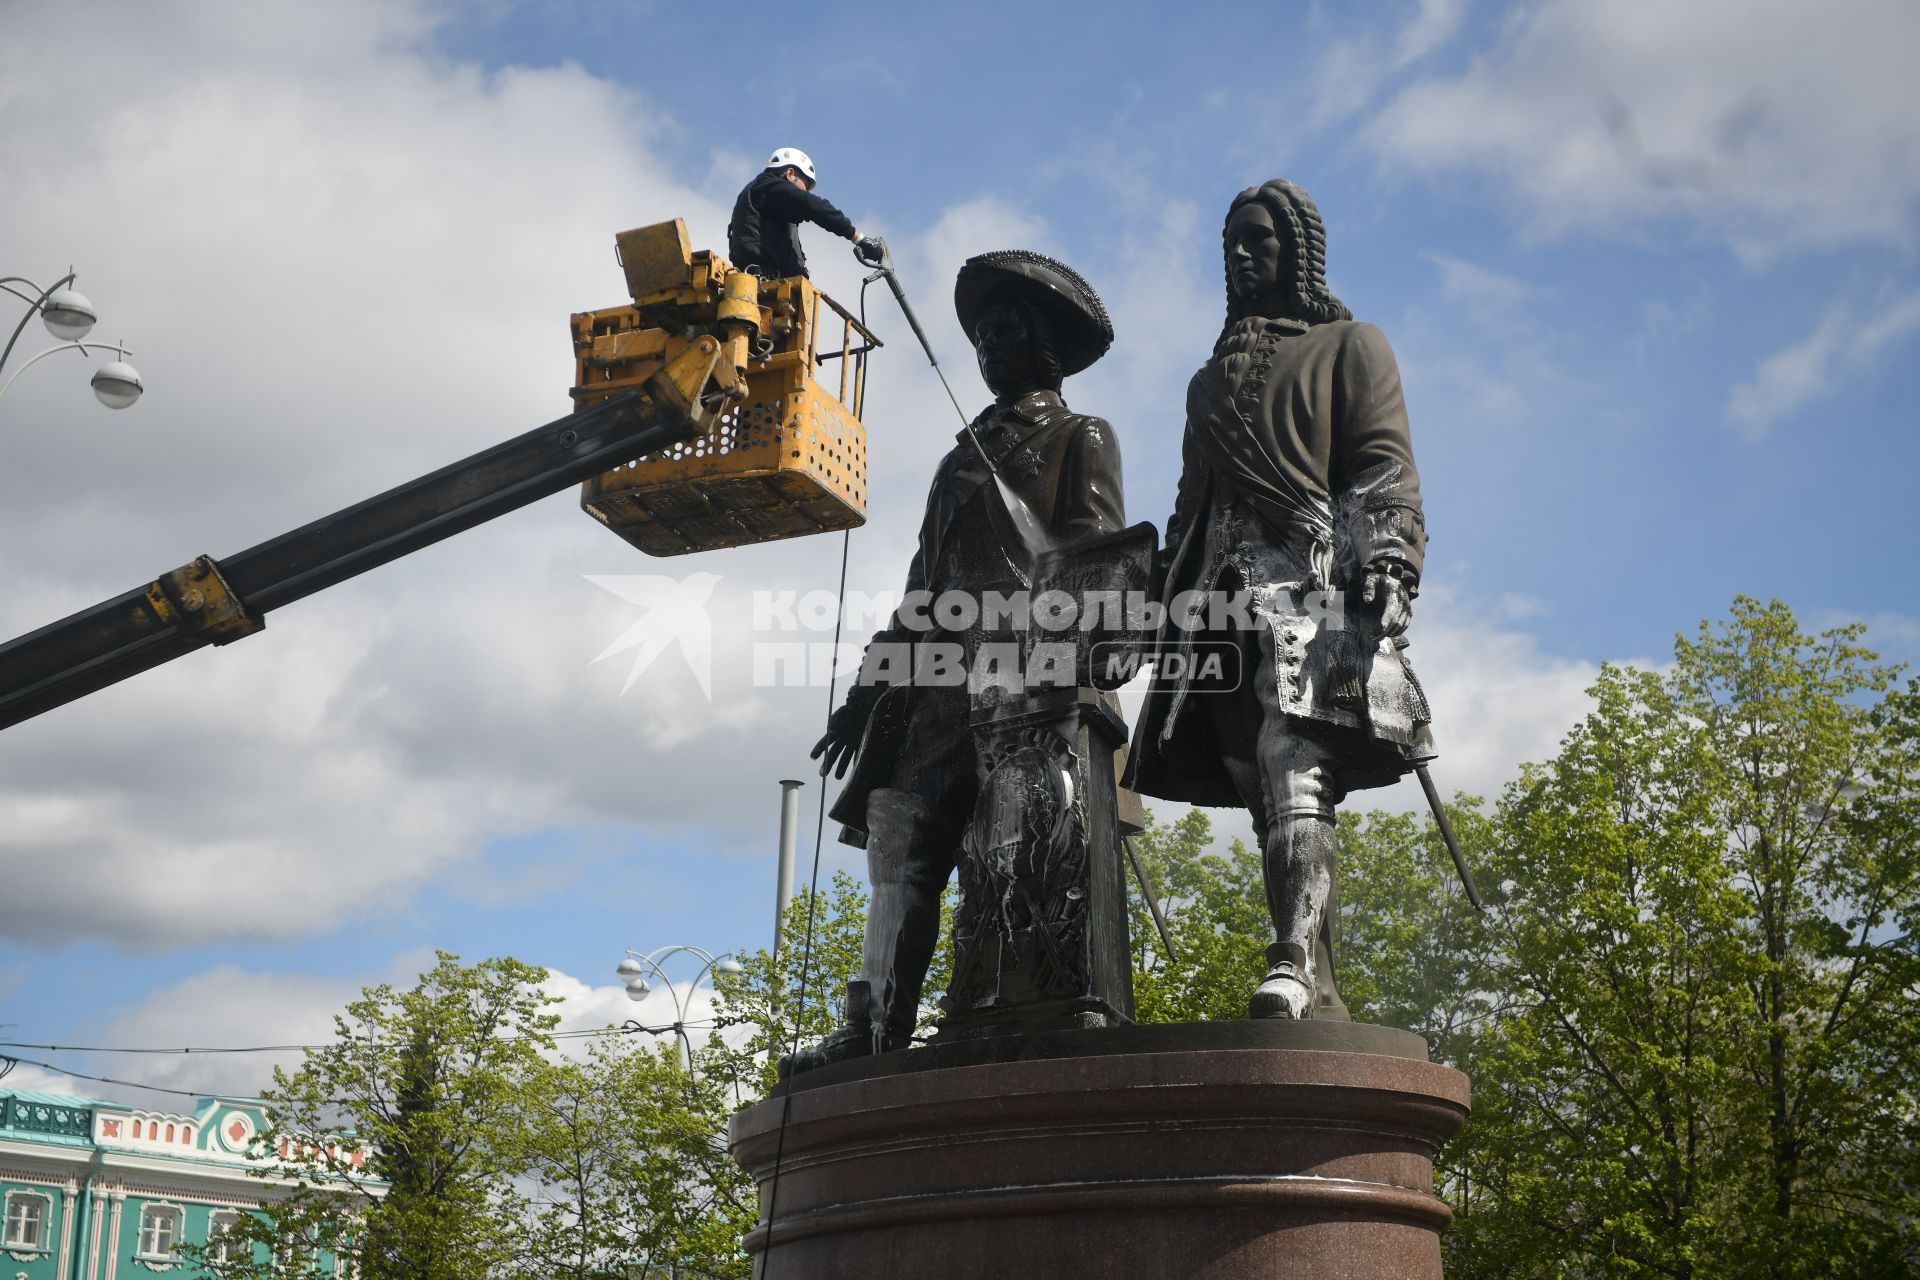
x: 96, y: 1190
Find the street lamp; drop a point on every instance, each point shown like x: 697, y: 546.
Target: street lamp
x: 70, y: 317
x: 637, y: 968
x: 67, y: 314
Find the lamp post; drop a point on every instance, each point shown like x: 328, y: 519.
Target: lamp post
x: 637, y: 968
x: 70, y: 317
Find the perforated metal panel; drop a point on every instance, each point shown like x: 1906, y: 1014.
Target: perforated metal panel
x: 789, y: 460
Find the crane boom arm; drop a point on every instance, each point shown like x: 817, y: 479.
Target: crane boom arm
x: 215, y: 602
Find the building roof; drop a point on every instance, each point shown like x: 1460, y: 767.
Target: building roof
x: 56, y: 1099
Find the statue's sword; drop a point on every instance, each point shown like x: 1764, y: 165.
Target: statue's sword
x: 1446, y: 833
x: 1153, y: 900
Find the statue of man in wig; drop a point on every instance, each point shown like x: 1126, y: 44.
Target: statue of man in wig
x: 1298, y: 494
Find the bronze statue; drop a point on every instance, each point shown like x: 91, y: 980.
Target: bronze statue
x: 1033, y: 322
x: 1297, y: 488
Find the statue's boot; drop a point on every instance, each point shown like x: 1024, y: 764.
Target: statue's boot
x: 903, y: 927
x: 853, y: 1038
x: 1299, y: 856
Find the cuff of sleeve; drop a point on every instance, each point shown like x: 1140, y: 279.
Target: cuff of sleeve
x: 1395, y: 533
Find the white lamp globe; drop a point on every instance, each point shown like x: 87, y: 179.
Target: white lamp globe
x: 116, y: 385
x: 731, y: 968
x: 638, y: 989
x: 629, y: 970
x: 68, y: 316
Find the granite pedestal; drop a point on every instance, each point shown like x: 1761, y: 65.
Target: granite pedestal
x: 1205, y: 1151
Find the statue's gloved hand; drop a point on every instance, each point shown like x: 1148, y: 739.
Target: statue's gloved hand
x: 1387, y: 602
x: 837, y: 746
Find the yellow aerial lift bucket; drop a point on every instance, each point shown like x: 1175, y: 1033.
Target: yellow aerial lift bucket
x: 786, y: 458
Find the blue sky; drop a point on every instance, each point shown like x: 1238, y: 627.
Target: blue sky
x: 1649, y: 271
x: 1611, y: 466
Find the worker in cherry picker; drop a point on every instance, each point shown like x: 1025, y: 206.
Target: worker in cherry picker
x: 764, y: 236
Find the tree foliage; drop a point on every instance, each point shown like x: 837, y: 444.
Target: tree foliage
x: 625, y: 1168
x: 445, y: 1134
x: 394, y: 1144
x: 1216, y: 915
x: 1709, y: 1065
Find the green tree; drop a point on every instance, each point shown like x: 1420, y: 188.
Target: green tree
x: 626, y: 1167
x: 398, y: 1142
x: 767, y: 998
x: 1704, y: 1063
x: 1216, y: 915
x: 1411, y: 951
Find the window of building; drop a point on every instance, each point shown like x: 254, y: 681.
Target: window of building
x: 224, y: 1250
x: 299, y: 1247
x: 26, y: 1227
x: 159, y: 1230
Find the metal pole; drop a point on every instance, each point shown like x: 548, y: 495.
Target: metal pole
x: 34, y: 309
x: 82, y: 347
x: 789, y: 835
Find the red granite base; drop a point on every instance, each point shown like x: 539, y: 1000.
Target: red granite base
x: 1204, y: 1151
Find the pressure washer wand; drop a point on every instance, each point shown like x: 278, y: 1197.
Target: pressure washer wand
x: 882, y: 262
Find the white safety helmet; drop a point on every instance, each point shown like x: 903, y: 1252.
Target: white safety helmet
x: 795, y: 158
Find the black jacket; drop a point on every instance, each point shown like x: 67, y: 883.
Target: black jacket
x: 765, y: 231
x: 1065, y: 466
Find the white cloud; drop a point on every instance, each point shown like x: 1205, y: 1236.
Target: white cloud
x: 1791, y: 378
x: 1498, y: 700
x: 1888, y: 326
x: 587, y: 1008
x: 1788, y: 378
x: 1663, y: 323
x: 1480, y: 289
x: 32, y: 1079
x: 342, y: 261
x: 1778, y: 125
x: 1486, y: 360
x: 1350, y: 73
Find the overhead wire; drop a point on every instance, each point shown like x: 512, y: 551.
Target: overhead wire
x: 820, y: 826
x: 9, y: 1061
x: 813, y: 905
x: 12, y: 1062
x: 622, y: 1029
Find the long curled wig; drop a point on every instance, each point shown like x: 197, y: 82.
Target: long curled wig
x: 1302, y: 287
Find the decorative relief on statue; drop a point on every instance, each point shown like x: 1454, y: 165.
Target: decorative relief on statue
x: 1020, y: 933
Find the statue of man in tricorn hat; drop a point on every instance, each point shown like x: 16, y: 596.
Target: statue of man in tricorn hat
x: 1297, y: 488
x: 1033, y: 322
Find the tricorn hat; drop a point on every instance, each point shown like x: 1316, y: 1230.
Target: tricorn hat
x: 1080, y: 322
